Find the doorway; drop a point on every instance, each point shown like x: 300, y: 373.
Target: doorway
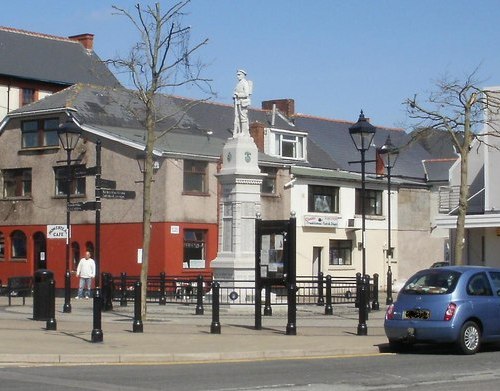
x: 40, y: 249
x: 316, y: 262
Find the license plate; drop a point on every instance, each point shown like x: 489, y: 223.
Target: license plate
x: 417, y: 314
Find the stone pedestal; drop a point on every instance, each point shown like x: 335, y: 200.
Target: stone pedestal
x: 240, y: 179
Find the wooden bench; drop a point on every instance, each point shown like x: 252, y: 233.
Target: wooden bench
x: 19, y: 287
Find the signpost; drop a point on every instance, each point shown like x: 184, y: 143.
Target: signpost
x: 81, y: 206
x: 118, y: 194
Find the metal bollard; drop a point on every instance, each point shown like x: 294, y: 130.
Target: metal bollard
x: 291, y: 327
x: 137, y: 326
x: 375, y: 303
x: 321, y: 300
x: 366, y: 280
x: 51, y: 322
x: 362, y: 329
x: 268, y: 311
x: 199, y: 296
x: 163, y: 297
x: 358, y: 288
x: 389, y: 286
x: 123, y: 289
x: 328, y: 306
x: 215, y: 326
x: 107, y: 291
x: 96, y: 335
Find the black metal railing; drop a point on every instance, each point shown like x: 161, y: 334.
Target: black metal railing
x: 197, y: 289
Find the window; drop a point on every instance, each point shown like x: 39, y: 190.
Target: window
x: 18, y: 240
x: 40, y: 133
x: 76, y: 186
x: 479, y: 285
x: 195, y: 176
x: 373, y: 202
x: 28, y: 96
x: 289, y: 146
x: 340, y: 252
x: 323, y: 199
x: 194, y: 248
x: 2, y: 246
x: 17, y: 182
x: 268, y: 185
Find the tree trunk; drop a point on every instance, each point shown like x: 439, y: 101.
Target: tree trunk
x: 462, y: 210
x: 146, y: 239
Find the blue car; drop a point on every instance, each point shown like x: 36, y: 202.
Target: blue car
x: 455, y: 304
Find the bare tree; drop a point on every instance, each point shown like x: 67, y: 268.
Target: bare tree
x: 458, y: 108
x: 160, y: 61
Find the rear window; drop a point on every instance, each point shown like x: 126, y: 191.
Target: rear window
x: 432, y: 282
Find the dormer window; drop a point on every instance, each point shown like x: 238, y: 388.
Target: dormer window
x: 289, y: 146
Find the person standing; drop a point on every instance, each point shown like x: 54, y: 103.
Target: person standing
x: 86, y: 272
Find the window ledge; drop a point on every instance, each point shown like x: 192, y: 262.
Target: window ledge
x: 270, y: 195
x: 26, y: 198
x: 194, y: 193
x: 371, y: 217
x: 51, y: 148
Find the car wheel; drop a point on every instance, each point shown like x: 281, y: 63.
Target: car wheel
x: 470, y: 338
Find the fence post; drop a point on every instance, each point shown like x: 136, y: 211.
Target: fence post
x: 137, y: 326
x: 107, y: 291
x: 215, y: 326
x: 268, y: 311
x: 291, y: 327
x: 163, y: 297
x: 96, y: 335
x: 358, y: 289
x: 123, y: 288
x: 389, y: 286
x: 51, y: 322
x: 328, y: 306
x: 199, y: 296
x: 321, y: 300
x: 375, y: 303
x: 363, y: 314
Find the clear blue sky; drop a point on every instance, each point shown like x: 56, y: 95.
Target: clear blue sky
x: 332, y: 57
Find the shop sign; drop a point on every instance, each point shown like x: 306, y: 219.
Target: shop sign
x: 57, y: 232
x: 320, y: 221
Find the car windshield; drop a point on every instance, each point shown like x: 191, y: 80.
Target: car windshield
x: 432, y: 282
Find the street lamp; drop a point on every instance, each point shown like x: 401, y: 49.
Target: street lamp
x: 68, y: 134
x: 362, y: 133
x: 389, y: 154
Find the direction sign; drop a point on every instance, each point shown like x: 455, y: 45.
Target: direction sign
x: 118, y: 194
x: 80, y: 171
x: 106, y: 183
x: 81, y: 206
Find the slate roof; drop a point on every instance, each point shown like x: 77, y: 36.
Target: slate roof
x: 33, y: 56
x: 333, y: 137
x: 206, y: 126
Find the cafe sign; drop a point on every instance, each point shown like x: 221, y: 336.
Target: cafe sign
x: 57, y: 232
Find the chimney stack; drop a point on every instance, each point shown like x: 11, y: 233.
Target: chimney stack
x: 286, y: 106
x: 87, y: 40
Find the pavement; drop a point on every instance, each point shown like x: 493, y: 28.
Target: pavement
x: 174, y: 334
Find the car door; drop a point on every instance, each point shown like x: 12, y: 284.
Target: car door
x: 495, y: 283
x: 484, y: 305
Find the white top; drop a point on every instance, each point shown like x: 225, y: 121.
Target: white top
x: 86, y: 268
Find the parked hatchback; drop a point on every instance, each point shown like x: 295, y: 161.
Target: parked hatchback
x: 457, y: 304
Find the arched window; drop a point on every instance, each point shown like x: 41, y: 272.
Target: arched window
x: 89, y: 246
x: 75, y: 250
x: 2, y: 246
x: 18, y: 243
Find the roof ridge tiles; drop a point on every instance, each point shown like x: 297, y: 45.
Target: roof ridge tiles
x: 342, y: 121
x: 35, y: 34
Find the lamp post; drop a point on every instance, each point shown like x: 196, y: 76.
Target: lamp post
x: 389, y: 154
x: 68, y: 134
x: 362, y: 133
